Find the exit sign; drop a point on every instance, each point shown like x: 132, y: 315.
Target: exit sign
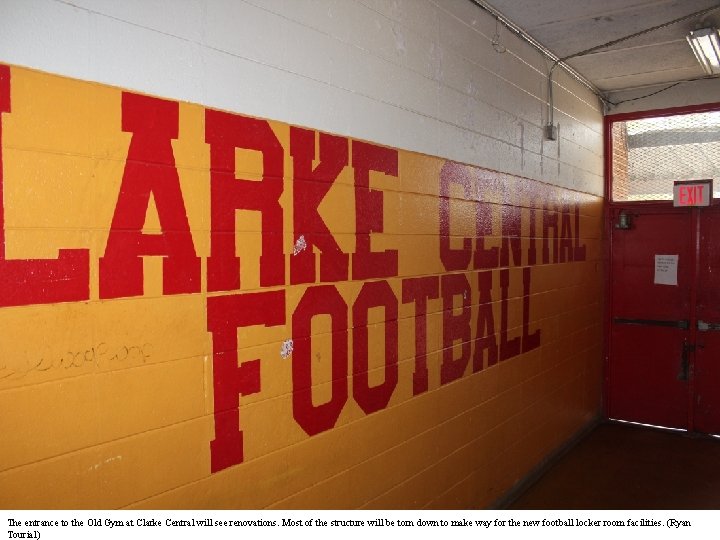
x: 692, y: 192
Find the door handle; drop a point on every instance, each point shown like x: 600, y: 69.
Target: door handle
x: 704, y: 326
x: 684, y: 364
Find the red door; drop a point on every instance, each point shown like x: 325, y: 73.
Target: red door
x: 706, y: 379
x: 650, y: 322
x: 664, y: 354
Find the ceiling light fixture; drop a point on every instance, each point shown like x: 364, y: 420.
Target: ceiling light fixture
x: 705, y: 44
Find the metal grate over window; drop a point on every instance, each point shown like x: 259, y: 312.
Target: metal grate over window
x: 650, y: 153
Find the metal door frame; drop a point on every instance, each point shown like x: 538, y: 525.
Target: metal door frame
x: 608, y: 121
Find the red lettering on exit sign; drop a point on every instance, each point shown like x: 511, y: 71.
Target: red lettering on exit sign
x: 692, y: 193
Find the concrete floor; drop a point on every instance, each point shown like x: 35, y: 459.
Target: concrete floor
x: 621, y: 466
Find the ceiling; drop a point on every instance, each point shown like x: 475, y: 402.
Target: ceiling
x: 567, y: 27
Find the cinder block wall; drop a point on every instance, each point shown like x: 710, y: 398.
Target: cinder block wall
x: 396, y: 305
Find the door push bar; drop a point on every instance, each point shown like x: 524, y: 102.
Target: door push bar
x: 682, y: 324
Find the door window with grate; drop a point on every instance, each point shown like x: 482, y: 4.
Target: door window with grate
x: 649, y: 154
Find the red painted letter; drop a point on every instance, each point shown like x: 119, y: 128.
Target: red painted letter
x: 508, y: 347
x: 566, y: 241
x: 321, y: 300
x: 550, y: 221
x: 511, y: 231
x: 453, y: 259
x: 529, y: 341
x: 455, y: 327
x: 485, y: 257
x: 38, y: 281
x: 149, y: 169
x: 374, y: 293
x: 485, y: 335
x: 225, y: 314
x: 419, y: 290
x: 309, y: 188
x: 369, y: 211
x: 225, y: 132
x: 579, y: 251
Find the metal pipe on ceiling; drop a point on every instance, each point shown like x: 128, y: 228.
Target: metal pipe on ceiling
x: 522, y: 34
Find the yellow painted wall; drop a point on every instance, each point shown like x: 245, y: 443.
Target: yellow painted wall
x: 110, y: 402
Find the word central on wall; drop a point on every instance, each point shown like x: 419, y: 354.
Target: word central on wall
x: 338, y: 240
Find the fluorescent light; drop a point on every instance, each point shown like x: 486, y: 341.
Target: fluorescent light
x: 705, y: 44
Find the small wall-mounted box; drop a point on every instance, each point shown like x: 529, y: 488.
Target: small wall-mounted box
x: 551, y: 132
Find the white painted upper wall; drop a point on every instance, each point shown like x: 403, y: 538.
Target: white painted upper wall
x: 420, y: 75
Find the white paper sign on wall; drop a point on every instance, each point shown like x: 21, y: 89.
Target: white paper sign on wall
x: 666, y: 269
